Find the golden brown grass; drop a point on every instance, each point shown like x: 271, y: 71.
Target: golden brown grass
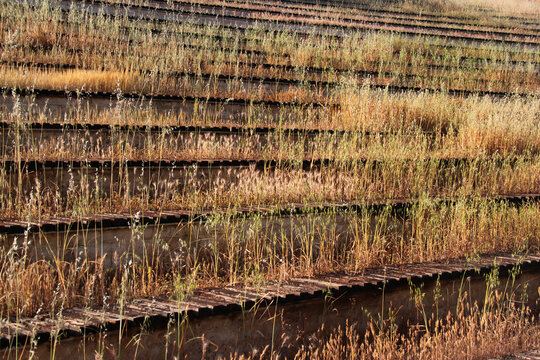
x: 474, y: 141
x: 388, y: 53
x: 471, y: 334
x: 501, y: 137
x: 361, y: 109
x: 230, y: 251
x: 509, y: 7
x: 230, y: 188
x: 356, y: 19
x: 69, y: 80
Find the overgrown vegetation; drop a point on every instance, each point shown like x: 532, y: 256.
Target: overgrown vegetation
x: 227, y: 250
x: 451, y: 156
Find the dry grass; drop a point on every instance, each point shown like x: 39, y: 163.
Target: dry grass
x: 500, y: 137
x: 511, y: 7
x: 70, y: 80
x: 455, y: 10
x: 85, y: 191
x: 476, y: 128
x: 380, y: 111
x: 337, y: 16
x: 473, y: 141
x: 361, y: 109
x: 471, y: 334
x: 379, y: 52
x: 229, y: 250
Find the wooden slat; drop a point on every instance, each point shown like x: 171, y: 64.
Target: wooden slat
x: 76, y: 319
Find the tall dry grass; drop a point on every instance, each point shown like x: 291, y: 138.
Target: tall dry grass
x: 471, y: 334
x: 228, y: 250
x: 136, y: 48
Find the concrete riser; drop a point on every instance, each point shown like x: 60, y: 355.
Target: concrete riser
x: 172, y: 243
x: 62, y: 108
x: 290, y: 324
